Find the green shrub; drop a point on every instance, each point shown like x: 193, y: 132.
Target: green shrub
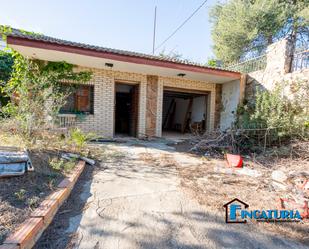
x: 62, y: 165
x: 56, y: 164
x: 283, y: 110
x: 78, y: 138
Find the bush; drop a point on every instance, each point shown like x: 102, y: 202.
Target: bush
x: 78, y: 138
x: 283, y: 110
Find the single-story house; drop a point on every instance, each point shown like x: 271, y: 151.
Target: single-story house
x: 139, y: 94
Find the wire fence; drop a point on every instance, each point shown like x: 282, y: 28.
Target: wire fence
x: 300, y: 60
x: 252, y: 65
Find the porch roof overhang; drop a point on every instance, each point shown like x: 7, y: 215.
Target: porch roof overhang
x: 96, y: 57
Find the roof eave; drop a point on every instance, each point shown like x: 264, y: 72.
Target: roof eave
x: 11, y: 40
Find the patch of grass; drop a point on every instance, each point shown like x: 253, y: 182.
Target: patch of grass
x: 13, y: 140
x: 56, y: 163
x: 62, y: 165
x: 68, y: 166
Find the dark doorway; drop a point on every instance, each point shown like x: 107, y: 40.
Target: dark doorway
x: 126, y: 111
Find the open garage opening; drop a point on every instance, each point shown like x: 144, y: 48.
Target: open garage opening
x: 184, y: 112
x: 126, y: 109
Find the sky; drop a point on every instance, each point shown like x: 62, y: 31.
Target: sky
x: 120, y: 24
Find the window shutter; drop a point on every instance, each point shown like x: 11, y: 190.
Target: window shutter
x: 83, y: 99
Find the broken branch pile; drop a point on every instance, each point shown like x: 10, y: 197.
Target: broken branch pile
x: 245, y: 141
x: 213, y: 144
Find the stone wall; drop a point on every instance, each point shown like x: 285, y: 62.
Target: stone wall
x: 277, y: 70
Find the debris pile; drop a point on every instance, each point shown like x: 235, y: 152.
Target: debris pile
x: 214, y: 144
x: 280, y: 172
x: 295, y: 190
x: 73, y: 156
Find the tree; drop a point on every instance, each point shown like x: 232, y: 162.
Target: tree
x: 212, y: 63
x: 36, y: 91
x: 6, y: 67
x: 243, y: 28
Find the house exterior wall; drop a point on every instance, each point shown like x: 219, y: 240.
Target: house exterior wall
x: 230, y: 101
x: 102, y: 121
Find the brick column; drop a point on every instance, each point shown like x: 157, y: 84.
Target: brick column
x: 151, y: 105
x: 159, y: 108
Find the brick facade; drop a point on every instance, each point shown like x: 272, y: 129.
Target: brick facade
x: 150, y: 94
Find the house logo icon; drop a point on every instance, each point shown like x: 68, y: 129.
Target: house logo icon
x: 233, y: 211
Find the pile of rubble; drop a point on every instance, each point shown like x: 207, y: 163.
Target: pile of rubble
x: 294, y: 190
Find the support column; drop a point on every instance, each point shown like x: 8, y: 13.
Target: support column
x: 151, y: 105
x: 218, y: 107
x: 211, y: 108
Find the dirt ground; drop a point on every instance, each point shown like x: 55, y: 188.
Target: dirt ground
x: 19, y: 195
x: 212, y: 189
x: 55, y: 235
x: 111, y: 222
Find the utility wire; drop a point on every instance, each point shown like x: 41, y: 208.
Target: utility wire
x: 181, y: 25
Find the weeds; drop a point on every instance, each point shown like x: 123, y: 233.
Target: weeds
x: 62, y: 165
x: 56, y: 164
x: 78, y: 138
x: 20, y: 194
x: 68, y: 166
x: 33, y: 202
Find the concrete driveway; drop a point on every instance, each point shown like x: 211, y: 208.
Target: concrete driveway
x: 137, y: 202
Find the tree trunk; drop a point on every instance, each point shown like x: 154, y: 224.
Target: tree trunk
x: 291, y: 48
x: 269, y: 40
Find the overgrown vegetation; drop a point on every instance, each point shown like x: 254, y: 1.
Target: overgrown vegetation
x: 36, y: 92
x: 242, y: 28
x: 283, y: 112
x: 6, y: 68
x: 62, y: 165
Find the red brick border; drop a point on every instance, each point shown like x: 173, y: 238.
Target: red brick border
x: 31, y: 229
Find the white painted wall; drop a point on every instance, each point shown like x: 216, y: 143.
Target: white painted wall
x: 230, y: 100
x: 181, y: 109
x: 198, y: 109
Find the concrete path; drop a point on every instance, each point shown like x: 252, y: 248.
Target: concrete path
x: 137, y: 202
